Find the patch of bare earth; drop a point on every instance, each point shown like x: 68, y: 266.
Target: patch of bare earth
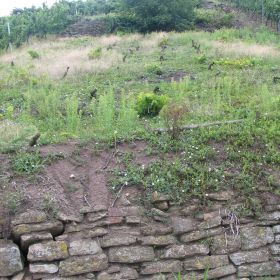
x: 76, y: 178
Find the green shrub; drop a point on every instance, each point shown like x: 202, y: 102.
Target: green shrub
x: 33, y: 54
x: 154, y: 69
x: 95, y: 53
x: 150, y: 104
x: 163, y: 42
x: 201, y: 59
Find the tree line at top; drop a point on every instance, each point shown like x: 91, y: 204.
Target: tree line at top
x: 119, y: 15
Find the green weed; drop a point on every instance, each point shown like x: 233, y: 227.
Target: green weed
x: 33, y: 54
x: 95, y: 53
x: 27, y: 163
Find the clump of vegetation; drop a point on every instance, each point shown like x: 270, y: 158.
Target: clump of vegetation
x: 14, y: 136
x: 27, y: 163
x: 13, y: 201
x: 211, y: 18
x: 95, y: 53
x: 163, y: 43
x: 154, y: 68
x: 238, y: 63
x: 33, y: 54
x: 201, y: 59
x: 173, y: 114
x: 150, y: 104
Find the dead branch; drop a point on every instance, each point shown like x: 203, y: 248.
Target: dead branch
x: 118, y: 195
x: 196, y: 126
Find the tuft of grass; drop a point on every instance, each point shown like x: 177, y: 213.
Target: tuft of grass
x: 33, y: 54
x: 95, y: 53
x: 154, y: 68
x: 14, y: 136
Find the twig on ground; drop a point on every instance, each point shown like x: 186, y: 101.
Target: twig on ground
x: 118, y: 195
x: 86, y: 200
x: 195, y: 126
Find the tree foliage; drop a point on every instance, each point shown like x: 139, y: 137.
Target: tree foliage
x: 125, y: 15
x: 159, y: 15
x: 271, y: 8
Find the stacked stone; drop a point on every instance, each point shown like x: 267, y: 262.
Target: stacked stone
x: 132, y: 242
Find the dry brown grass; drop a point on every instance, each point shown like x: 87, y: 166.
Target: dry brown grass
x: 241, y: 48
x: 56, y: 54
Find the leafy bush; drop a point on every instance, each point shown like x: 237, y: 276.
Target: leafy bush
x: 150, y: 104
x: 33, y: 54
x: 154, y: 69
x: 95, y: 53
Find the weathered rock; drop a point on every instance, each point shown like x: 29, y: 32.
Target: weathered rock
x: 199, y: 263
x: 160, y: 240
x: 69, y: 218
x: 161, y: 267
x: 260, y: 269
x: 273, y: 216
x: 126, y: 273
x: 271, y: 208
x: 10, y: 258
x: 111, y: 241
x: 49, y: 251
x: 181, y: 225
x: 239, y: 258
x: 221, y: 196
x: 55, y: 228
x: 93, y: 217
x: 255, y: 237
x: 30, y: 217
x: 210, y: 223
x: 224, y: 245
x: 31, y: 238
x: 132, y: 220
x: 43, y: 268
x: 183, y: 251
x: 159, y: 197
x: 221, y: 272
x: 84, y: 247
x: 189, y: 210
x: 275, y: 249
x: 276, y: 229
x: 83, y: 264
x: 162, y: 205
x: 133, y: 254
x: 97, y: 208
x: 277, y: 238
x: 19, y: 276
x: 157, y: 212
x: 156, y: 229
x: 200, y: 234
x: 126, y: 211
x: 113, y: 269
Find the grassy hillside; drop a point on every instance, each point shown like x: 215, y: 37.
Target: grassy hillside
x: 202, y: 77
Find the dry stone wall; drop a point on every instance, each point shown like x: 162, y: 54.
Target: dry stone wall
x: 136, y: 243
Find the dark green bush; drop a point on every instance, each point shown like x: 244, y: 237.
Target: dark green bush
x: 150, y: 104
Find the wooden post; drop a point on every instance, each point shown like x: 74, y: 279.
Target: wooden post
x: 9, y: 33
